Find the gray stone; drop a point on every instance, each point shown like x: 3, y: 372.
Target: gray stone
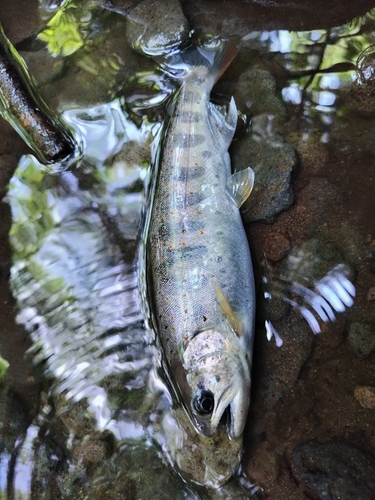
x: 272, y: 160
x: 153, y: 28
x: 362, y: 338
x: 335, y: 470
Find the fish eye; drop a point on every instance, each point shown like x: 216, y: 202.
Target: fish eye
x: 204, y: 403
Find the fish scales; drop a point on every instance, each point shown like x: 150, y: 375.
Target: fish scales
x: 197, y: 243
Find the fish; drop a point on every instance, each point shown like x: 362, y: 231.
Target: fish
x: 200, y: 274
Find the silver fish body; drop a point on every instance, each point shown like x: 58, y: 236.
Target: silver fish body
x: 202, y: 283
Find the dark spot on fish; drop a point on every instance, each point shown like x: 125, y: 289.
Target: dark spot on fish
x: 219, y: 259
x: 189, y: 140
x: 190, y: 117
x: 219, y: 233
x: 206, y: 154
x: 186, y: 174
x: 204, y: 318
x: 189, y: 199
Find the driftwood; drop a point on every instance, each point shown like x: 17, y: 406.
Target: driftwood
x: 22, y: 106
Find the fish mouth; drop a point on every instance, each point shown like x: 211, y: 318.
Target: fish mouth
x: 222, y: 420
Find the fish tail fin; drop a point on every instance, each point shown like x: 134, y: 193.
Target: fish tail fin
x: 215, y: 55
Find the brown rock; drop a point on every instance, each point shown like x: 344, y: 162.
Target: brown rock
x: 276, y: 246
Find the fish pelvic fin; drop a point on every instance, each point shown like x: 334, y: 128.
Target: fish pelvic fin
x: 239, y: 185
x: 230, y: 315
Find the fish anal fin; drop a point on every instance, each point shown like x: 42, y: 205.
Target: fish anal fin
x: 229, y: 314
x: 239, y: 185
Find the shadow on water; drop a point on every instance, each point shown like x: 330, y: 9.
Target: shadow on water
x: 84, y: 407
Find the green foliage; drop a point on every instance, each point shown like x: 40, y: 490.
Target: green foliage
x: 63, y: 35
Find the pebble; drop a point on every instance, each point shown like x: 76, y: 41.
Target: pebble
x: 371, y: 293
x: 365, y: 395
x: 368, y: 252
x: 276, y: 246
x: 362, y: 338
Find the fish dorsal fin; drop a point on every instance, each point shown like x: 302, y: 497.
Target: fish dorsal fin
x: 223, y: 125
x: 239, y: 185
x: 229, y: 314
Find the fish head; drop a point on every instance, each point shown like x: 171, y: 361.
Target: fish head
x: 217, y: 388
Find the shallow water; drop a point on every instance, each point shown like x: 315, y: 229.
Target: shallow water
x: 85, y: 409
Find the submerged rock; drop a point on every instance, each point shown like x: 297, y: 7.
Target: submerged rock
x: 153, y: 27
x: 272, y: 160
x: 276, y: 246
x: 335, y: 470
x: 256, y: 93
x: 362, y: 338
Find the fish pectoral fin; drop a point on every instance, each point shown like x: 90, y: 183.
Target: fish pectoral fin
x: 223, y: 125
x: 229, y: 314
x: 239, y: 185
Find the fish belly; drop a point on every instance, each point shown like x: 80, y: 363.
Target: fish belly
x: 196, y: 238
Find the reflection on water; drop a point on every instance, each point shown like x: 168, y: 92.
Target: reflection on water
x: 319, y: 300
x: 75, y: 239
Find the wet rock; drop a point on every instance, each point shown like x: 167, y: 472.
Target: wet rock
x: 365, y: 395
x: 272, y: 160
x: 213, y: 17
x: 362, y: 338
x: 371, y: 293
x: 153, y: 28
x: 256, y: 94
x: 263, y: 466
x: 335, y: 470
x: 90, y: 451
x: 276, y: 246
